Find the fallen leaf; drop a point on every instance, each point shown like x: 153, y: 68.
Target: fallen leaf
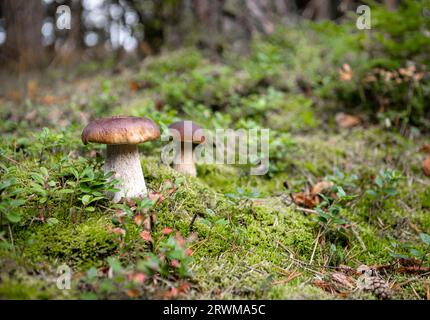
x: 179, y: 239
x: 425, y: 148
x: 326, y: 286
x: 138, y: 219
x: 183, y: 288
x: 173, y: 292
x: 139, y: 277
x: 345, y: 72
x: 31, y: 115
x: 118, y: 231
x: 322, y: 187
x: 48, y: 99
x: 159, y: 104
x: 32, y: 87
x: 156, y: 196
x: 146, y: 235
x: 133, y: 293
x: 134, y: 85
x: 147, y: 223
x: 426, y: 166
x: 166, y: 231
x: 174, y: 263
x: 347, y: 121
x: 306, y: 199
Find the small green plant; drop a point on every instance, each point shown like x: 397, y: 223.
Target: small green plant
x: 330, y: 207
x: 168, y: 264
x: 384, y: 186
x: 410, y: 251
x: 170, y: 258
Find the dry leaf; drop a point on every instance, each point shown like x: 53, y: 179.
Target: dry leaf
x: 156, y: 195
x: 147, y: 223
x: 183, y: 288
x: 426, y: 166
x: 189, y: 252
x: 118, y: 231
x: 326, y: 286
x: 146, y: 235
x: 31, y: 115
x: 305, y: 199
x: 139, y: 277
x: 139, y: 219
x: 48, y: 99
x: 133, y: 293
x: 344, y: 120
x: 322, y: 187
x: 345, y: 73
x: 425, y: 148
x: 134, y: 85
x: 32, y: 88
x: 166, y: 231
x: 174, y: 263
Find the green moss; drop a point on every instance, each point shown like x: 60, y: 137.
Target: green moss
x: 84, y: 244
x: 293, y: 291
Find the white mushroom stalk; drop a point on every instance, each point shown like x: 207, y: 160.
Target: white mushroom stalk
x: 184, y: 159
x: 187, y: 135
x: 122, y: 134
x: 124, y: 161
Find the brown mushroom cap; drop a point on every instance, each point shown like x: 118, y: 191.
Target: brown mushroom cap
x: 186, y: 134
x: 120, y: 130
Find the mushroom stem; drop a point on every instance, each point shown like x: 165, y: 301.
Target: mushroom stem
x: 125, y: 162
x: 184, y: 160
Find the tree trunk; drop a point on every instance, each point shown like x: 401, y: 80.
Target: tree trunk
x: 391, y: 4
x: 23, y: 46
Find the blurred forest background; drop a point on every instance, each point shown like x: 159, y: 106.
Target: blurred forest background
x: 30, y: 37
x: 348, y: 182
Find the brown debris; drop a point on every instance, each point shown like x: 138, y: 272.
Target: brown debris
x: 347, y: 121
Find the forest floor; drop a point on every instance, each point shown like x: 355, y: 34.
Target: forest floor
x: 343, y: 212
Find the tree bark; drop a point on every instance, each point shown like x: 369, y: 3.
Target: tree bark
x: 23, y: 47
x: 391, y: 4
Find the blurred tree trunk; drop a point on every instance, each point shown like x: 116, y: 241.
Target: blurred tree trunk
x: 318, y: 10
x: 72, y: 41
x: 76, y: 33
x: 391, y: 4
x: 23, y: 43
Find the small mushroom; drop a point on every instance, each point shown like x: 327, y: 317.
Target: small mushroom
x: 122, y: 134
x: 187, y: 135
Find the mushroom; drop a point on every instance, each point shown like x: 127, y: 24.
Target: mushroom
x: 188, y: 135
x: 122, y: 134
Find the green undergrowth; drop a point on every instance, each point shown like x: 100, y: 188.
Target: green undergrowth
x: 224, y: 234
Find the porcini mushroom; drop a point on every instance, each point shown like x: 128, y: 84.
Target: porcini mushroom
x: 122, y: 134
x: 187, y: 135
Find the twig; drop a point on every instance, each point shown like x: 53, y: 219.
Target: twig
x: 415, y: 292
x: 358, y: 238
x: 413, y: 279
x: 305, y: 210
x: 192, y: 221
x: 11, y: 238
x: 10, y: 159
x: 315, y: 246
